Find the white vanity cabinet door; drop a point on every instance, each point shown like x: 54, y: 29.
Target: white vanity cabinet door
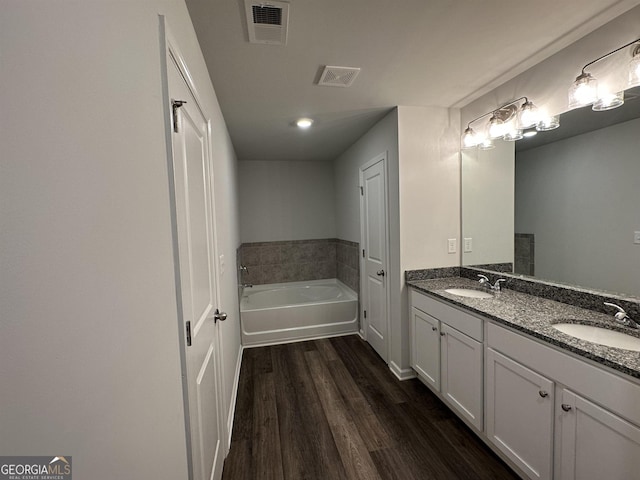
x: 462, y: 373
x: 425, y: 348
x: 595, y: 444
x: 520, y: 414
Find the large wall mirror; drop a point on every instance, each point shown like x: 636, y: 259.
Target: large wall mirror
x: 562, y: 206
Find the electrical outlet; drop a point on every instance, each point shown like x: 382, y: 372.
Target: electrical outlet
x: 452, y: 245
x: 636, y: 238
x: 468, y: 245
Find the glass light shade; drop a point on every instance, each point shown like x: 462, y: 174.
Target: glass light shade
x: 532, y: 132
x: 584, y: 91
x: 513, y: 135
x: 511, y: 131
x: 470, y: 138
x: 486, y: 144
x: 634, y: 68
x: 548, y: 123
x: 608, y: 101
x: 528, y: 115
x: 496, y: 128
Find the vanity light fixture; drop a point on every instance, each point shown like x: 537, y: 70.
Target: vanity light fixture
x: 304, y: 123
x: 528, y: 115
x: 547, y: 123
x: 496, y: 127
x: 506, y: 122
x: 486, y: 144
x: 634, y: 67
x: 531, y: 132
x: 470, y: 138
x: 584, y: 90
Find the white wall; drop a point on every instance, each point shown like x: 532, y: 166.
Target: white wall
x: 429, y: 189
x: 580, y: 197
x: 286, y: 200
x: 547, y: 83
x: 423, y: 174
x: 488, y: 178
x: 383, y: 137
x: 89, y: 333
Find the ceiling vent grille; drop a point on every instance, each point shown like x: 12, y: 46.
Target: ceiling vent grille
x: 267, y: 22
x: 338, y: 76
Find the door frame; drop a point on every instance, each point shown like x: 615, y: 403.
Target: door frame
x: 170, y: 52
x: 381, y: 157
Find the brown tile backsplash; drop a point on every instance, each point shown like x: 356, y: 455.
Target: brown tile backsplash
x: 300, y: 260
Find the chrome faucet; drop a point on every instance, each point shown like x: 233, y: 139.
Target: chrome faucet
x: 484, y: 281
x: 246, y: 285
x: 622, y: 317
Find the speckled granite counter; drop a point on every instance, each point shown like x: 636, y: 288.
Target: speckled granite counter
x: 535, y: 316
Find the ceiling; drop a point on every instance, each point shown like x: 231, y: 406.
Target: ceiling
x: 411, y: 52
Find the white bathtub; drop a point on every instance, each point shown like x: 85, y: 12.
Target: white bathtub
x: 285, y: 312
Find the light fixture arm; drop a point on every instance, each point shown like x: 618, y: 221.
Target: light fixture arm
x: 493, y: 112
x: 609, y: 54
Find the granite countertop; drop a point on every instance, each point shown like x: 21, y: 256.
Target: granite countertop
x: 535, y: 316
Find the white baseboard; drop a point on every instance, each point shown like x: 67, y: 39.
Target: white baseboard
x: 402, y: 373
x: 234, y: 397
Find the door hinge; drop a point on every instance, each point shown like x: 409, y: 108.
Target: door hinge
x: 365, y: 314
x: 362, y: 191
x: 363, y: 253
x: 188, y: 334
x: 175, y: 105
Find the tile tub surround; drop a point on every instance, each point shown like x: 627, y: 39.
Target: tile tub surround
x: 300, y: 260
x: 348, y: 264
x: 535, y: 316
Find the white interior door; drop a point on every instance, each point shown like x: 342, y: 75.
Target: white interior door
x: 194, y: 221
x: 373, y: 216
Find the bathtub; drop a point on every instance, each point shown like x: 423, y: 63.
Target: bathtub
x: 286, y: 312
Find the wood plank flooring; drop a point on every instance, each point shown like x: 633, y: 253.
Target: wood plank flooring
x: 331, y: 409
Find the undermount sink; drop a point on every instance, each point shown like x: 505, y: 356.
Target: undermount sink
x: 469, y: 293
x: 603, y: 336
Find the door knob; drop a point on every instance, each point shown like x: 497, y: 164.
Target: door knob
x: 218, y: 315
x: 380, y: 273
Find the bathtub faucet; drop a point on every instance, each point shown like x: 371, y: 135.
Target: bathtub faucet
x: 246, y: 285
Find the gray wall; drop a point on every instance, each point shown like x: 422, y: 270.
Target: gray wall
x: 581, y: 199
x: 286, y: 201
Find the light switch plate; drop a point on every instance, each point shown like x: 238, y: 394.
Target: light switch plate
x: 636, y: 238
x: 452, y: 245
x: 468, y: 245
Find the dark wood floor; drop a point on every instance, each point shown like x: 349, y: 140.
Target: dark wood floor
x: 331, y: 409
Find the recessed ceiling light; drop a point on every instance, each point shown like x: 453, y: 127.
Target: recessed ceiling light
x: 304, y: 122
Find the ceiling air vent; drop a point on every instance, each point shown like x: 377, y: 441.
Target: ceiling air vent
x: 267, y: 22
x: 338, y: 76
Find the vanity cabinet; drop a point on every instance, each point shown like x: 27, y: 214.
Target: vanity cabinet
x: 519, y: 415
x: 447, y: 354
x: 589, y: 432
x: 461, y: 369
x: 594, y: 443
x: 425, y: 348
